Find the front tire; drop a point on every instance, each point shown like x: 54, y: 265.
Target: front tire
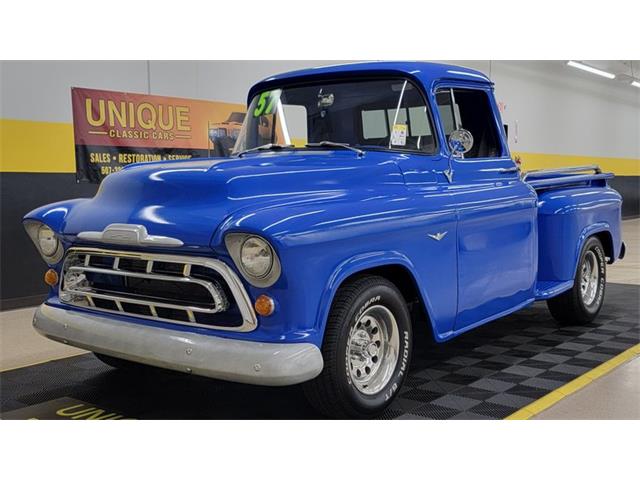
x: 581, y: 304
x: 367, y: 348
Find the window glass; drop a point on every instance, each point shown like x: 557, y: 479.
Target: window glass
x: 374, y: 124
x: 360, y: 113
x: 295, y: 117
x: 443, y: 98
x: 472, y: 111
x: 419, y: 121
x: 401, y: 118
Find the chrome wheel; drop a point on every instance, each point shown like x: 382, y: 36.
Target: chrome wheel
x: 372, y: 349
x: 589, y: 278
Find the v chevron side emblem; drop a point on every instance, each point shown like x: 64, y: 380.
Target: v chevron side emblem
x: 437, y: 236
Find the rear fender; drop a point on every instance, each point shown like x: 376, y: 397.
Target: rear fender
x: 566, y: 219
x: 590, y: 231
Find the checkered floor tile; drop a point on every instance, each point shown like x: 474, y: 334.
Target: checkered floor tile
x: 487, y: 373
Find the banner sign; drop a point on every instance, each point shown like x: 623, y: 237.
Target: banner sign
x: 114, y: 129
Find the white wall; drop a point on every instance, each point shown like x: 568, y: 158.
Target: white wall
x: 557, y: 109
x: 562, y: 110
x: 226, y: 81
x: 41, y: 91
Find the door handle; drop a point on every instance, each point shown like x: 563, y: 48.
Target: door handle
x: 508, y: 170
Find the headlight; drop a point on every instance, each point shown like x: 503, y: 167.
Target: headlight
x: 45, y: 241
x: 254, y: 257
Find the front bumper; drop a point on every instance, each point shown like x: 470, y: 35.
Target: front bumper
x: 209, y: 356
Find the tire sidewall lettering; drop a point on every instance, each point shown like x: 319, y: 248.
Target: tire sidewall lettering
x: 404, y: 354
x: 602, y: 274
x: 404, y: 361
x: 594, y: 308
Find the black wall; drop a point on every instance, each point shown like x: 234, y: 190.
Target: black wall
x: 629, y: 188
x: 21, y: 268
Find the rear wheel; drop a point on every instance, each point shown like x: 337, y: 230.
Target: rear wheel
x: 366, y: 350
x: 583, y: 302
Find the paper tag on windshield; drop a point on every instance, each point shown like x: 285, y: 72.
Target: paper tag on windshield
x: 399, y: 135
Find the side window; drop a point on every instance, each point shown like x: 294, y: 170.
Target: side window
x: 471, y: 110
x: 446, y: 110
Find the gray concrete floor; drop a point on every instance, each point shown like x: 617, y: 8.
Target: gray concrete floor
x: 21, y: 346
x: 616, y: 395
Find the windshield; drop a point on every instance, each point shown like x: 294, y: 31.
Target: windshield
x: 387, y: 114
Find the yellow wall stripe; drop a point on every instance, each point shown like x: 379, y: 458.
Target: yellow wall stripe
x: 573, y: 386
x: 624, y: 167
x: 36, y: 147
x: 48, y: 147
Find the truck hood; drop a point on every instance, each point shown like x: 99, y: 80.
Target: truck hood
x: 189, y: 200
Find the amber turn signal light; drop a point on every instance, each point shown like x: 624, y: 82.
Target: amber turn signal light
x: 264, y: 305
x: 51, y: 277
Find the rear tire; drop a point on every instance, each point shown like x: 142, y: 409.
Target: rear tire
x: 583, y: 302
x: 366, y: 349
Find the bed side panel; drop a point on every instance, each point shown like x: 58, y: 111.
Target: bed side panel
x: 566, y: 217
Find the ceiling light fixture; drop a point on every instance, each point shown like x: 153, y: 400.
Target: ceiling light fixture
x: 589, y: 69
x: 636, y: 83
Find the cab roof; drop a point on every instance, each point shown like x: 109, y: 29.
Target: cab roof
x: 424, y: 72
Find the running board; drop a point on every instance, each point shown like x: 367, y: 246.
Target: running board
x: 546, y: 290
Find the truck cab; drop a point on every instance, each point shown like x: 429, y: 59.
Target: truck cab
x: 358, y: 200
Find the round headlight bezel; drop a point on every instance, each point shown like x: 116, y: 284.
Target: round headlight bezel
x: 33, y: 228
x: 259, y: 245
x: 236, y: 241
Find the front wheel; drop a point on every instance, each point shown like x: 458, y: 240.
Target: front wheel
x: 583, y: 302
x: 366, y: 350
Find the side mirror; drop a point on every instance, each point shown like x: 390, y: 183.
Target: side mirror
x: 460, y: 142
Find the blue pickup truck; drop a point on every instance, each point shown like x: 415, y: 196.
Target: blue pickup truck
x: 359, y: 200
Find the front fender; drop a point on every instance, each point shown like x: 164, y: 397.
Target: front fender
x: 322, y: 243
x: 54, y: 214
x: 360, y: 263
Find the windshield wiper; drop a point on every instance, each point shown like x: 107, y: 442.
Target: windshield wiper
x: 327, y: 143
x: 267, y: 146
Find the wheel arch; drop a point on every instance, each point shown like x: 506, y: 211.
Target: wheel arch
x: 606, y: 239
x: 396, y: 268
x: 602, y: 232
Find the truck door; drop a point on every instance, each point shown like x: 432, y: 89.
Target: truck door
x: 406, y: 126
x: 496, y: 212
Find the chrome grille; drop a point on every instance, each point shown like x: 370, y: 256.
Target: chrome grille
x: 168, y: 288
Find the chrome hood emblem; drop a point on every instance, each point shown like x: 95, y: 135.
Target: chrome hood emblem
x: 437, y: 236
x: 126, y: 234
